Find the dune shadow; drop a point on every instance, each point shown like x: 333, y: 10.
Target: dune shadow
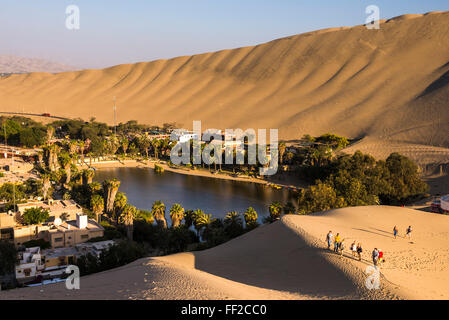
x: 379, y: 234
x: 275, y: 257
x: 387, y: 232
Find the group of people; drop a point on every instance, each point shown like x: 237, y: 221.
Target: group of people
x: 408, y: 232
x: 339, y: 245
x: 356, y: 250
x: 378, y: 256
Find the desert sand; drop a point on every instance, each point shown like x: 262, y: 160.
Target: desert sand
x: 389, y: 84
x: 287, y: 260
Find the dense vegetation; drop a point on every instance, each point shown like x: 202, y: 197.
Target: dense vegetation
x: 336, y: 180
x: 360, y: 180
x: 20, y: 192
x: 21, y: 131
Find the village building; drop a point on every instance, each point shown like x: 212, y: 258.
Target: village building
x: 71, y: 233
x: 30, y: 264
x: 62, y: 209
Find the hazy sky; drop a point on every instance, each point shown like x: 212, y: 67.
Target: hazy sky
x: 118, y: 31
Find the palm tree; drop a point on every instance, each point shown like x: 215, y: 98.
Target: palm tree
x: 146, y: 216
x: 127, y: 218
x: 110, y: 188
x: 156, y: 144
x: 281, y: 148
x: 46, y: 185
x: 165, y: 146
x: 145, y: 144
x: 120, y: 203
x: 51, y: 156
x: 95, y: 188
x: 158, y: 211
x: 124, y: 144
x: 66, y: 162
x: 233, y: 217
x: 88, y: 176
x: 40, y: 159
x: 233, y: 224
x: 275, y: 209
x: 50, y: 133
x: 112, y: 145
x: 250, y: 216
x: 72, y: 146
x: 81, y: 148
x: 176, y: 214
x: 201, y: 220
x: 188, y: 218
x: 97, y: 204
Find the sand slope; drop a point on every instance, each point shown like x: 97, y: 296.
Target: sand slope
x: 287, y: 260
x: 390, y: 83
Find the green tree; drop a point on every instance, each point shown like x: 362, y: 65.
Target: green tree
x: 97, y: 205
x: 176, y: 214
x: 233, y: 224
x: 201, y: 220
x: 275, y: 210
x: 319, y: 197
x: 120, y: 203
x: 145, y: 215
x: 35, y: 216
x: 250, y: 217
x: 88, y: 176
x: 158, y: 211
x: 189, y: 218
x: 110, y: 188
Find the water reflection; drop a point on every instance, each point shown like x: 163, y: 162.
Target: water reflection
x: 143, y: 186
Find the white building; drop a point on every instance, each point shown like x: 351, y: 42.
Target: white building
x: 184, y: 135
x: 30, y: 264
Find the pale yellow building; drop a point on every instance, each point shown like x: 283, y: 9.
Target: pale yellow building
x: 33, y: 232
x: 71, y: 233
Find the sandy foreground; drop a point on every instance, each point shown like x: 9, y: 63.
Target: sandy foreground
x: 287, y: 260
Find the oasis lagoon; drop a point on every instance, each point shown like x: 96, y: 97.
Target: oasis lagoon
x: 143, y: 186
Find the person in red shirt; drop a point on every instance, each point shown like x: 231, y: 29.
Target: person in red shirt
x: 381, y: 255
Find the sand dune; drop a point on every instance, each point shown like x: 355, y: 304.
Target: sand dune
x: 421, y: 154
x: 389, y: 84
x: 287, y: 260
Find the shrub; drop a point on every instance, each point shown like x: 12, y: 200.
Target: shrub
x: 35, y: 216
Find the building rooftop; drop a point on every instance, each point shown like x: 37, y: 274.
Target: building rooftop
x: 72, y: 226
x: 52, y: 205
x: 79, y: 249
x: 59, y: 252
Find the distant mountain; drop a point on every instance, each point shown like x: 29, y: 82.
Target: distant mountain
x: 13, y: 64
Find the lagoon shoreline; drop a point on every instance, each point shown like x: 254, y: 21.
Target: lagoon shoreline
x: 198, y: 172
